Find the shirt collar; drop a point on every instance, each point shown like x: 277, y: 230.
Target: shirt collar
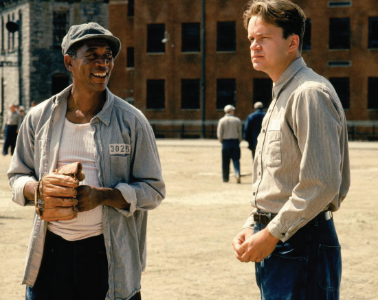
x: 289, y: 73
x: 104, y: 115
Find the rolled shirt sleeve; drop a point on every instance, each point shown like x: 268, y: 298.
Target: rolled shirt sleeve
x: 146, y: 190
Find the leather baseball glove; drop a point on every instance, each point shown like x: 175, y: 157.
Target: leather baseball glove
x: 55, y: 193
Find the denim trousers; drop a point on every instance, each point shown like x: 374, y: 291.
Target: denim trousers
x: 305, y: 267
x: 10, y: 135
x: 230, y: 151
x: 75, y: 270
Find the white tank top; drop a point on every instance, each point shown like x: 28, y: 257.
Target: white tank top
x: 77, y: 144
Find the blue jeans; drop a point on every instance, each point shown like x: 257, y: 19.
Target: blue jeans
x: 230, y: 151
x: 307, y: 266
x: 10, y: 135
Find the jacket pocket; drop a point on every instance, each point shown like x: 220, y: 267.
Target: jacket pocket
x: 273, y: 155
x: 329, y: 267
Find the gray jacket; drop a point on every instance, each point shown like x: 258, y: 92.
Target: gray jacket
x: 127, y: 159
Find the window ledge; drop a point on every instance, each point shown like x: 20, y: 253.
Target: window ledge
x: 155, y: 109
x: 191, y: 109
x: 339, y: 49
x: 130, y: 68
x: 226, y: 52
x: 372, y: 109
x: 190, y: 52
x: 373, y: 49
x: 155, y: 53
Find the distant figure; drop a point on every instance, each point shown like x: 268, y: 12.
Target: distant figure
x: 32, y: 104
x: 11, y: 123
x: 21, y: 111
x: 253, y: 127
x: 229, y: 133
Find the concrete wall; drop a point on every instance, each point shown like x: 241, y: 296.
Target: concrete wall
x: 47, y: 60
x: 10, y: 56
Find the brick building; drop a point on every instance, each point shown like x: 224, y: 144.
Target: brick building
x: 41, y: 27
x: 164, y: 79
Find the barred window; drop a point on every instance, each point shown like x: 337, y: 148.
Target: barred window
x: 262, y: 90
x: 191, y: 41
x: 226, y: 36
x: 155, y: 35
x: 60, y: 23
x: 341, y: 85
x: 226, y: 92
x: 190, y: 94
x: 373, y: 93
x: 339, y: 33
x: 373, y: 32
x: 155, y: 94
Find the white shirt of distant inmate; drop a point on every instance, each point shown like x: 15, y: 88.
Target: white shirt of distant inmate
x: 270, y: 53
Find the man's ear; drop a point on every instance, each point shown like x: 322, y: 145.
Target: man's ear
x: 68, y: 62
x: 294, y: 42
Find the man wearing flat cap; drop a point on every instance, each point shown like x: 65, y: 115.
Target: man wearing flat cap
x: 229, y: 133
x: 98, y: 249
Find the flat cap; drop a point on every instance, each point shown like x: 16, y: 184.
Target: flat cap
x: 86, y: 31
x: 228, y: 108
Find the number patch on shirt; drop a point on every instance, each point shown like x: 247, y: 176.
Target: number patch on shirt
x: 119, y: 149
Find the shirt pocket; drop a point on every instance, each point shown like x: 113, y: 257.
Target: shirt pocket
x: 119, y: 167
x: 273, y: 155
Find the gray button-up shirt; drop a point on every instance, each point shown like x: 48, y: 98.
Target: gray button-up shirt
x: 127, y: 159
x: 302, y: 160
x: 229, y: 127
x: 12, y: 119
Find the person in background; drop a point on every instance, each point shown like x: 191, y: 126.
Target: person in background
x: 12, y: 122
x: 21, y: 111
x: 32, y: 104
x: 253, y: 127
x: 229, y: 133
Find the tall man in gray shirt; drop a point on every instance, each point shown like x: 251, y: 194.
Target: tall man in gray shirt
x: 301, y: 171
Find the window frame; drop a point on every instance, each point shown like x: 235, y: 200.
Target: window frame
x: 333, y: 81
x: 152, y: 94
x: 154, y: 39
x: 331, y: 44
x: 225, y: 40
x: 183, y: 43
x: 191, y: 82
x: 221, y: 82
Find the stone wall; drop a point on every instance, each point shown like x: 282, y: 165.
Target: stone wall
x: 41, y: 59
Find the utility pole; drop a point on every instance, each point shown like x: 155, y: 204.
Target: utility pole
x: 203, y: 79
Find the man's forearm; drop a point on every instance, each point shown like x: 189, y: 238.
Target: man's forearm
x: 113, y: 198
x: 29, y: 190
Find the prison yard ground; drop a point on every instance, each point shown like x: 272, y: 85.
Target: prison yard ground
x: 189, y: 236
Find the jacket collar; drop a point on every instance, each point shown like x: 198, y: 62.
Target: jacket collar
x: 104, y: 115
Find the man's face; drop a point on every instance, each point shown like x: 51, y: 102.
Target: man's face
x: 12, y: 108
x: 269, y: 49
x: 92, y: 66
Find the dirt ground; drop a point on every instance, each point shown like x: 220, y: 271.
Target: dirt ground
x: 189, y: 235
